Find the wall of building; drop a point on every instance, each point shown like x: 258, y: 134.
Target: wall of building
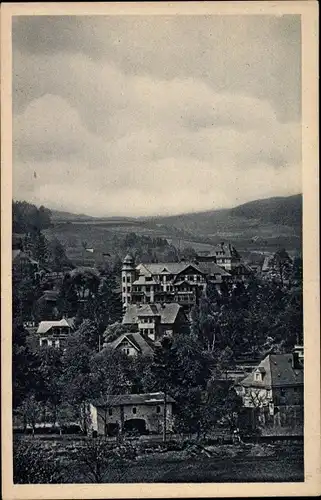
x: 288, y: 395
x: 127, y: 348
x: 147, y: 412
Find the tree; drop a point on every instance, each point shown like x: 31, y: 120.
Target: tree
x: 110, y: 376
x: 86, y: 281
x: 105, y: 307
x: 89, y: 334
x: 281, y: 265
x: 25, y: 363
x: 163, y: 372
x: 56, y: 255
x: 117, y: 329
x: 76, y: 377
x: 225, y: 361
x: 51, y: 373
x: 31, y: 411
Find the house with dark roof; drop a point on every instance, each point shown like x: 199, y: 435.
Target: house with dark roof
x: 132, y: 344
x: 23, y: 264
x: 224, y: 255
x: 156, y: 320
x: 181, y: 282
x: 127, y: 412
x: 276, y: 381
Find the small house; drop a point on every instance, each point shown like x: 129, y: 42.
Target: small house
x: 155, y: 320
x: 143, y: 413
x: 277, y: 381
x: 133, y: 344
x: 54, y: 333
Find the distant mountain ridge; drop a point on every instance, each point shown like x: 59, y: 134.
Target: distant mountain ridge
x: 285, y: 210
x: 276, y: 210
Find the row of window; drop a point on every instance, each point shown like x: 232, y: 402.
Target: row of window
x: 124, y: 289
x: 49, y: 342
x: 126, y: 278
x: 134, y: 410
x: 148, y: 331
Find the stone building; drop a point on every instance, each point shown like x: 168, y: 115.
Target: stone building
x: 127, y: 412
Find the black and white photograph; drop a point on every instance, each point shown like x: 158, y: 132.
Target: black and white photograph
x: 157, y: 249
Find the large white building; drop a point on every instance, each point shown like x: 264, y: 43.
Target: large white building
x: 180, y: 282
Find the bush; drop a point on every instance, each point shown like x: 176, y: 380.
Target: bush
x: 34, y: 464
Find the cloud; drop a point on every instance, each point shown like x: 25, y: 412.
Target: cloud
x: 109, y: 136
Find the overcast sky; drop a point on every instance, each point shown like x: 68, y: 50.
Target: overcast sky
x: 155, y: 115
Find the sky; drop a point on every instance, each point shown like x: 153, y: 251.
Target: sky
x: 146, y: 115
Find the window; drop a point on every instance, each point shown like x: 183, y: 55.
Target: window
x: 158, y: 409
x: 282, y: 393
x: 134, y: 410
x: 128, y: 279
x: 57, y: 343
x: 295, y: 389
x: 124, y: 289
x: 148, y: 289
x: 110, y: 412
x: 124, y: 279
x: 49, y: 342
x: 257, y: 376
x: 128, y: 289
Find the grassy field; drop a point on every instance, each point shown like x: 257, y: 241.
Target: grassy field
x: 245, y: 462
x: 218, y: 470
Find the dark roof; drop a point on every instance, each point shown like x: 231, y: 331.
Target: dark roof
x: 228, y: 249
x: 168, y: 312
x: 19, y: 253
x: 50, y: 295
x: 279, y: 372
x: 128, y: 259
x: 142, y: 343
x: 212, y: 269
x: 167, y: 267
x: 132, y: 399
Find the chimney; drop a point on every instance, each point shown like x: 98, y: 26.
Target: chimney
x: 295, y: 361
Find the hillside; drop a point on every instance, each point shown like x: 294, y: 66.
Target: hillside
x: 278, y: 210
x: 269, y: 217
x: 260, y: 226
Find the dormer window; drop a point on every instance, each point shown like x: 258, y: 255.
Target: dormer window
x: 258, y: 377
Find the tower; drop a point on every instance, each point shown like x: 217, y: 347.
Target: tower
x: 127, y: 278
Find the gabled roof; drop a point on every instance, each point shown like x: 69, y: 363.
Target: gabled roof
x: 19, y: 253
x: 45, y: 326
x: 187, y: 282
x: 143, y: 281
x: 212, y: 269
x: 141, y: 343
x: 168, y: 312
x: 266, y: 263
x: 165, y: 267
x: 50, y: 295
x: 132, y: 399
x: 147, y: 310
x: 277, y: 370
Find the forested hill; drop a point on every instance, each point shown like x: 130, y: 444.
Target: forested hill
x: 283, y: 211
x: 278, y: 210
